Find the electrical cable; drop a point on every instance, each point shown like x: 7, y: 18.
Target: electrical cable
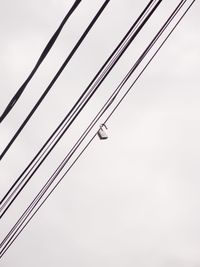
x: 41, y: 148
x: 33, y: 110
x: 51, y: 182
x: 17, y: 234
x: 39, y: 62
x: 3, y: 201
x: 148, y: 63
x: 54, y: 79
x: 35, y: 157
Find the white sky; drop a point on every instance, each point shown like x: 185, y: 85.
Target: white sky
x: 132, y: 200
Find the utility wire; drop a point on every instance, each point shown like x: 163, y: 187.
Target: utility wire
x: 54, y: 176
x: 20, y: 230
x: 37, y: 155
x: 15, y: 183
x: 156, y: 52
x: 39, y: 62
x: 54, y: 79
x: 33, y: 110
x: 10, y: 194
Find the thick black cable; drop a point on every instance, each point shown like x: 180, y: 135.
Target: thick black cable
x: 86, y: 31
x: 124, y: 80
x: 20, y: 190
x: 24, y: 184
x: 69, y: 155
x: 39, y: 62
x: 49, y: 152
x: 49, y: 138
x: 41, y: 196
x: 26, y: 223
x: 2, y: 201
x: 23, y: 125
x: 5, y: 249
x: 54, y: 80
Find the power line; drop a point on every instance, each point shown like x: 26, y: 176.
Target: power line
x: 45, y: 52
x: 132, y: 33
x: 54, y: 79
x: 159, y: 48
x: 47, y: 90
x: 33, y: 204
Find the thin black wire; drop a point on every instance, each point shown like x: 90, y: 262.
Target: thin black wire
x: 20, y: 129
x: 112, y: 61
x: 86, y: 31
x: 29, y: 178
x: 53, y: 80
x: 47, y: 154
x: 159, y: 48
x: 41, y: 196
x: 6, y: 248
x: 45, y: 188
x: 17, y: 181
x: 39, y: 62
x: 118, y: 89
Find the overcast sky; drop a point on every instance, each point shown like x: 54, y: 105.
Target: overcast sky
x: 132, y: 200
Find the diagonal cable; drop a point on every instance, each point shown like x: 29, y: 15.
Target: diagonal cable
x: 39, y: 62
x: 53, y: 80
x: 11, y: 195
x: 26, y: 222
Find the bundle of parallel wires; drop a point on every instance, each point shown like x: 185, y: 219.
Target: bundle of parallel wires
x: 109, y: 108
